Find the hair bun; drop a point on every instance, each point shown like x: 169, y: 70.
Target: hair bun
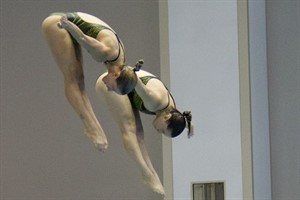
x: 138, y: 65
x: 188, y: 116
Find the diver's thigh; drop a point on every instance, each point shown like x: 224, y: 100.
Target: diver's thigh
x: 60, y: 43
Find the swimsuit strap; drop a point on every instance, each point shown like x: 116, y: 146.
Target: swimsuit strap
x: 168, y: 101
x: 145, y: 80
x: 171, y: 97
x: 120, y: 46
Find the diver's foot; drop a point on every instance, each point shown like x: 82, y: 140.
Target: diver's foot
x: 101, y: 146
x: 154, y: 183
x: 98, y: 138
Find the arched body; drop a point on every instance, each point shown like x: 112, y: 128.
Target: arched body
x: 65, y: 40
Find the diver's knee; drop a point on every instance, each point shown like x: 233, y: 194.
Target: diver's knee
x: 49, y: 22
x: 100, y: 86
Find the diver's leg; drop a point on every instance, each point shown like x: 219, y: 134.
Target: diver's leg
x: 123, y: 113
x: 69, y: 59
x: 142, y: 146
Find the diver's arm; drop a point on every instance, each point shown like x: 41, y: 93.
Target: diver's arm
x: 97, y: 49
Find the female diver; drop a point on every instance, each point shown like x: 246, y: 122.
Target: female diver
x: 150, y: 96
x: 66, y: 33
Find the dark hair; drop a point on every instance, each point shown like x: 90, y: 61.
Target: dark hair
x: 127, y: 79
x: 177, y: 122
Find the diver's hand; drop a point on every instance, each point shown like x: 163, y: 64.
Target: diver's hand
x: 64, y: 23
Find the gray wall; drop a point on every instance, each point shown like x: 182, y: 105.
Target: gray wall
x: 204, y: 74
x: 283, y: 47
x: 44, y: 153
x: 191, y: 46
x: 259, y: 100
